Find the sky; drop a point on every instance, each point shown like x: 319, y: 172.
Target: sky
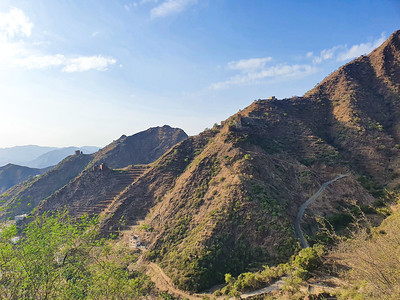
x: 76, y: 73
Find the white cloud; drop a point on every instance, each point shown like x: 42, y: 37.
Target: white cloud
x: 76, y: 64
x: 170, y: 7
x: 85, y: 63
x: 249, y: 64
x: 343, y: 52
x: 360, y: 49
x: 41, y: 61
x: 14, y: 23
x: 256, y: 77
x: 15, y: 26
x: 325, y: 54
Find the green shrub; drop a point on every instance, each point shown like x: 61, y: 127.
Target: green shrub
x: 57, y: 257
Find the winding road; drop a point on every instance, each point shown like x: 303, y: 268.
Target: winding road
x: 300, y: 213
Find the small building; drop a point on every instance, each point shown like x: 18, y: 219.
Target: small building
x: 78, y: 152
x: 20, y: 217
x: 103, y: 167
x: 272, y: 98
x: 134, y: 241
x: 15, y: 239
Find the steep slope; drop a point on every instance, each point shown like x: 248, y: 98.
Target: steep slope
x: 11, y: 175
x: 226, y: 200
x: 141, y: 148
x: 365, y: 110
x: 218, y: 203
x: 92, y: 191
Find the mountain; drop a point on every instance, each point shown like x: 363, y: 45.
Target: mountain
x: 11, y: 175
x: 226, y: 200
x: 141, y: 147
x: 96, y: 189
x: 53, y: 157
x: 20, y: 155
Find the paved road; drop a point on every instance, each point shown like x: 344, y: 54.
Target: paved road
x: 297, y: 227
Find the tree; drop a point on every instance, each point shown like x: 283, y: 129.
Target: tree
x: 58, y: 257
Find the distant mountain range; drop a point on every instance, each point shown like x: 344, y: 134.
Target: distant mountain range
x: 39, y: 157
x: 53, y: 157
x: 140, y: 148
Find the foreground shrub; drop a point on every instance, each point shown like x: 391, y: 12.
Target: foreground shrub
x: 57, y: 257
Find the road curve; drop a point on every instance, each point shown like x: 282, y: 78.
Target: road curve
x: 297, y: 227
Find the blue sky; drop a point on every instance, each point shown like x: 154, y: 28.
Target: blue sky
x: 86, y: 72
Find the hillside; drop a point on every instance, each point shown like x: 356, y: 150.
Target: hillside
x: 11, y: 175
x: 225, y: 201
x: 142, y: 147
x: 24, y: 197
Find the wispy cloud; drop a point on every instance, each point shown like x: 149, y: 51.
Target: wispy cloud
x: 85, y: 63
x: 325, y: 54
x: 76, y: 64
x: 342, y: 53
x: 249, y: 64
x: 170, y: 7
x: 138, y: 3
x: 16, y: 51
x: 357, y: 50
x: 252, y: 77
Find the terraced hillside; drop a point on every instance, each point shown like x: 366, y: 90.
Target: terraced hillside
x: 92, y: 191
